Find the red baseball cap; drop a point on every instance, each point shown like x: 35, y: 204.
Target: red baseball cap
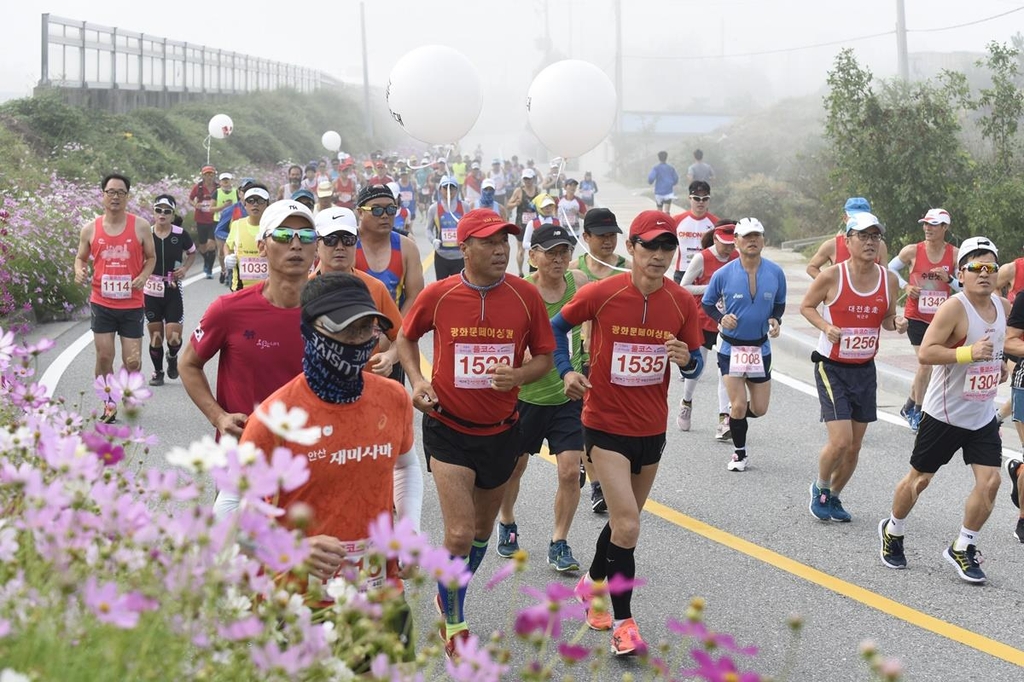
x: 208, y: 169
x: 652, y: 224
x: 482, y: 223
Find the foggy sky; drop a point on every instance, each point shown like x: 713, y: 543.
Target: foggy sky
x: 680, y: 43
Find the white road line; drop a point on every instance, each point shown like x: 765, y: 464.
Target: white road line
x: 54, y: 373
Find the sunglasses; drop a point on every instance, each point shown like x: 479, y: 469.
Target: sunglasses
x: 357, y: 332
x: 252, y: 201
x: 868, y: 236
x: 379, y: 211
x: 987, y: 268
x: 284, y: 235
x: 346, y: 239
x: 654, y: 245
x: 701, y: 200
x: 164, y: 211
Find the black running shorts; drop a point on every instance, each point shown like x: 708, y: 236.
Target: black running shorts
x: 127, y: 323
x: 938, y: 441
x: 558, y: 424
x: 169, y: 308
x: 847, y: 392
x: 492, y: 458
x: 641, y: 451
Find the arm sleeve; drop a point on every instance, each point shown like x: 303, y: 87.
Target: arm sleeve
x: 895, y: 267
x: 408, y: 488
x: 694, y: 270
x: 709, y: 302
x: 561, y: 328
x: 780, y: 298
x: 527, y: 236
x: 225, y: 504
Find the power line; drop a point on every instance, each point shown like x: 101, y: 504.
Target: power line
x: 969, y: 23
x: 764, y: 52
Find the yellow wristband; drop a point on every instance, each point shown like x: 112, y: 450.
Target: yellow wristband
x: 964, y: 355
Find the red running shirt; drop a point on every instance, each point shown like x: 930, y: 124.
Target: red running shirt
x: 116, y: 262
x: 630, y: 371
x: 934, y: 288
x: 471, y: 332
x: 711, y: 265
x: 859, y: 315
x: 260, y: 347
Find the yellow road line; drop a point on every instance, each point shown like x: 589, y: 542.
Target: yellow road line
x: 829, y: 582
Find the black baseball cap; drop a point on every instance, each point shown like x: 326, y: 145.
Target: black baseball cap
x: 600, y: 221
x: 549, y: 236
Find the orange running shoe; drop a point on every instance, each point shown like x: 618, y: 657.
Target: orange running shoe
x: 597, y: 619
x: 626, y: 640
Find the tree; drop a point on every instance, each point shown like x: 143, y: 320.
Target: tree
x: 1002, y: 104
x: 897, y: 146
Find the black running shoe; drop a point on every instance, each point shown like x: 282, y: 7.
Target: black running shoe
x: 597, y: 503
x: 157, y: 379
x: 892, y: 547
x: 1018, y: 532
x: 172, y: 366
x: 583, y: 476
x: 967, y: 563
x: 1012, y: 468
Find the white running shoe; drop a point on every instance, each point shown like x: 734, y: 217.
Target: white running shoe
x: 685, y: 412
x: 723, y: 432
x: 737, y: 464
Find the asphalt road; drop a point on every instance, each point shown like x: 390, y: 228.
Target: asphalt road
x: 745, y: 542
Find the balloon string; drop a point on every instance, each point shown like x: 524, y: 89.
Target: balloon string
x: 206, y: 145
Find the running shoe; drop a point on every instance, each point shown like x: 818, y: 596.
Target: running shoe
x: 560, y: 556
x: 915, y: 420
x: 967, y: 563
x: 450, y: 642
x: 1013, y: 468
x: 891, y: 546
x: 221, y: 278
x: 626, y: 640
x: 722, y: 431
x: 172, y: 366
x: 908, y: 415
x: 597, y: 619
x: 820, y: 505
x: 737, y: 463
x: 597, y: 503
x: 508, y: 540
x: 835, y: 509
x: 685, y: 413
x: 209, y: 275
x: 1018, y: 532
x: 583, y: 476
x: 109, y: 413
x: 157, y: 379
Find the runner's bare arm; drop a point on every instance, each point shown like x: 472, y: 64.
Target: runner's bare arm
x: 423, y: 397
x: 821, y: 258
x: 413, y: 273
x: 947, y: 327
x: 144, y: 232
x: 893, y: 321
x: 82, y: 255
x: 190, y: 367
x: 822, y: 289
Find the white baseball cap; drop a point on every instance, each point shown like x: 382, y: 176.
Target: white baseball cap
x: 529, y: 173
x: 936, y: 216
x: 859, y: 222
x: 975, y: 244
x: 335, y: 219
x: 276, y: 213
x: 487, y: 183
x: 748, y: 226
x: 226, y: 176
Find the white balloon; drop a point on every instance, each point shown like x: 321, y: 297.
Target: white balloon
x: 566, y: 122
x: 434, y: 93
x: 220, y: 126
x: 331, y: 141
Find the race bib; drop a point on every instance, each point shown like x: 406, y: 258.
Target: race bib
x: 253, y: 268
x: 858, y: 343
x: 345, y: 198
x: 982, y: 381
x: 529, y: 216
x: 586, y: 194
x: 205, y: 205
x: 449, y: 237
x: 116, y: 286
x: 929, y: 301
x: 425, y: 191
x: 406, y: 196
x: 473, y: 359
x: 746, y: 361
x: 154, y: 286
x: 638, y: 364
x: 372, y: 569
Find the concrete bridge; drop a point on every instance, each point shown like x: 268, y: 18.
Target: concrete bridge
x: 105, y: 67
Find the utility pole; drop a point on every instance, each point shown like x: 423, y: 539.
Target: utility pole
x: 366, y: 75
x: 902, y: 62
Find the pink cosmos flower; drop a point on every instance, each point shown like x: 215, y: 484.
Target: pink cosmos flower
x: 290, y: 472
x: 717, y: 670
x: 556, y: 603
x: 572, y: 653
x: 280, y: 549
x: 396, y: 541
x: 107, y: 389
x: 132, y: 386
x: 110, y: 607
x: 711, y: 640
x: 244, y: 629
x: 270, y: 656
x: 473, y: 663
x: 507, y: 569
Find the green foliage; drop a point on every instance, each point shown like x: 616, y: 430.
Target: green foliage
x: 771, y: 201
x: 1002, y: 104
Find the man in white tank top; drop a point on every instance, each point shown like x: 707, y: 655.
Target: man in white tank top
x: 964, y: 346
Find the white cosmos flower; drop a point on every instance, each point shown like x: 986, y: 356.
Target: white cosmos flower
x: 289, y: 424
x: 10, y: 675
x: 201, y: 456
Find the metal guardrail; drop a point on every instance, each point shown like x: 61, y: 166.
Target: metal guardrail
x: 80, y: 54
x: 794, y: 244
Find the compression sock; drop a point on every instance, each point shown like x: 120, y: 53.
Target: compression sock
x: 173, y: 348
x: 208, y: 258
x: 476, y: 554
x: 599, y: 566
x: 750, y: 413
x: 621, y: 562
x: 156, y: 354
x: 739, y: 434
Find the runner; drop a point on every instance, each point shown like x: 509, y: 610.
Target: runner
x: 120, y: 245
x: 641, y: 323
x: 402, y: 221
x: 306, y: 198
x: 345, y: 185
x: 1015, y: 345
x: 223, y: 229
x: 545, y: 413
x: 336, y: 252
x: 343, y: 494
x: 165, y: 307
x: 833, y: 251
x: 752, y: 290
x: 571, y: 207
x: 521, y: 202
x: 383, y: 253
x: 294, y: 183
x: 1011, y: 280
x: 244, y: 258
x: 546, y: 206
x: 226, y: 197
x: 964, y: 347
x: 859, y: 298
x: 664, y: 178
x: 443, y: 218
x: 691, y: 226
x: 255, y: 330
x: 720, y: 249
x: 932, y: 279
x: 202, y: 198
x: 482, y: 322
x: 588, y: 188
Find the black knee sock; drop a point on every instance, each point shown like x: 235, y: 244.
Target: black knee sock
x: 208, y: 259
x: 599, y: 566
x: 173, y: 348
x: 739, y: 434
x: 621, y: 562
x: 156, y: 354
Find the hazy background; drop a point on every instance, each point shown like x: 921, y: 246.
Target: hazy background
x: 727, y: 56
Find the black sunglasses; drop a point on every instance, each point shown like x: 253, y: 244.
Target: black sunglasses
x: 346, y: 239
x: 378, y: 211
x: 655, y: 244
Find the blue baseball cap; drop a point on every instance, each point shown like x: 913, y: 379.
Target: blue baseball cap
x: 857, y: 205
x: 296, y: 195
